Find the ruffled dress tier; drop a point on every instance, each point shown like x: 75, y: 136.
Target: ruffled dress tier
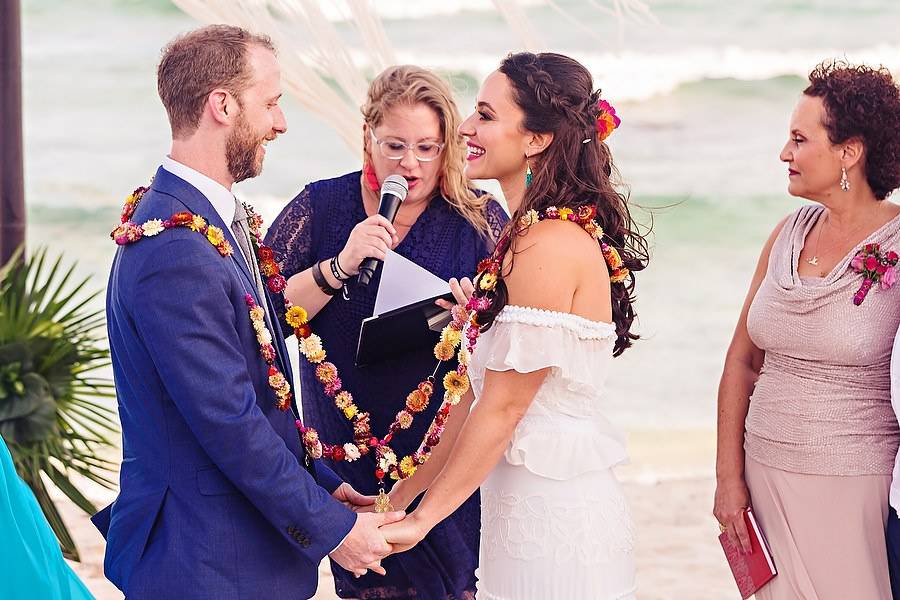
x: 555, y: 523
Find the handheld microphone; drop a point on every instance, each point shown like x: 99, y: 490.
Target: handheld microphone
x: 393, y: 192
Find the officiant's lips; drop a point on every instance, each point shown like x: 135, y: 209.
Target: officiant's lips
x: 475, y: 151
x: 411, y: 181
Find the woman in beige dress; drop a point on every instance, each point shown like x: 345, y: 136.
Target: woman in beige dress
x: 806, y: 433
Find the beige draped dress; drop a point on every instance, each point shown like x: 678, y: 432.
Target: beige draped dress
x: 821, y: 437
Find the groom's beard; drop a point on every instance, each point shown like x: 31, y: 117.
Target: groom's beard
x: 241, y: 150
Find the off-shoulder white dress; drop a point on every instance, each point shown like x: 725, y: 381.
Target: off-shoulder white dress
x: 554, y: 521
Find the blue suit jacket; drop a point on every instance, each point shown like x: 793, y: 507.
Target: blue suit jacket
x: 217, y: 496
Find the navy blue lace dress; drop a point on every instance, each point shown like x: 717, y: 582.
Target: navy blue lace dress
x: 314, y: 227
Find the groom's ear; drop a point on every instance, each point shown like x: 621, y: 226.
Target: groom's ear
x: 221, y: 106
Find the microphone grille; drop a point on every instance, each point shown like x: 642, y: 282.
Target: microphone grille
x: 395, y: 185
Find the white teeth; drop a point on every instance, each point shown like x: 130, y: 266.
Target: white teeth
x: 473, y: 151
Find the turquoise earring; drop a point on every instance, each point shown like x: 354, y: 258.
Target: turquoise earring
x: 528, y: 174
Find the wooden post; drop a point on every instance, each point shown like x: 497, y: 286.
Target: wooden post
x: 12, y: 174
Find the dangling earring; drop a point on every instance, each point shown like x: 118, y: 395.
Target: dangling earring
x: 528, y: 174
x: 845, y: 183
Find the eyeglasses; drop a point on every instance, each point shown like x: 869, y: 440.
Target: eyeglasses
x: 395, y: 149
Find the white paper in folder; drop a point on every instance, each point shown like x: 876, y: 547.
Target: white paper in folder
x: 403, y: 282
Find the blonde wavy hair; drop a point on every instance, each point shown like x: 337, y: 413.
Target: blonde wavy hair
x: 408, y: 85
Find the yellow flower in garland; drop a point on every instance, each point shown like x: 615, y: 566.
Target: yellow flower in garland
x: 316, y: 357
x: 215, y: 235
x: 407, y: 466
x: 296, y: 316
x: 487, y: 281
x: 351, y: 411
x: 456, y: 384
x: 443, y: 351
x: 564, y: 213
x: 225, y: 248
x: 593, y: 229
x: 529, y: 218
x: 613, y: 259
x: 451, y: 336
x: 197, y: 223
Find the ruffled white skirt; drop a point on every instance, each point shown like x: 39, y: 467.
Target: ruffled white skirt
x: 546, y: 539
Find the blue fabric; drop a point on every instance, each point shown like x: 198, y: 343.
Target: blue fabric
x: 31, y: 563
x: 314, y: 227
x: 892, y: 536
x: 215, y: 501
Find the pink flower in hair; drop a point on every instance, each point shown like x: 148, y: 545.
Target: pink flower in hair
x: 607, y: 120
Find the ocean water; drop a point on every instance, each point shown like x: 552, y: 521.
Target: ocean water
x: 705, y: 94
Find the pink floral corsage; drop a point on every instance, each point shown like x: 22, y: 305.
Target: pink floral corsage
x: 875, y: 267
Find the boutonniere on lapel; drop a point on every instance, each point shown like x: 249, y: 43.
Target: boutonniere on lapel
x: 876, y: 267
x: 129, y: 231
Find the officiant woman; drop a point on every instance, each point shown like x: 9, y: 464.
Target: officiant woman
x: 319, y: 240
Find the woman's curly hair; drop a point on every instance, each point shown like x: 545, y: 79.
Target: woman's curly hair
x: 556, y: 94
x: 862, y: 103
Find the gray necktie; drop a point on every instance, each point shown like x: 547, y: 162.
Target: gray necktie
x: 241, y: 231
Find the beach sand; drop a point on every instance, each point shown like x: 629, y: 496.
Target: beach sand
x: 669, y: 483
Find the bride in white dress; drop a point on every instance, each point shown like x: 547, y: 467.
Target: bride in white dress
x: 555, y: 523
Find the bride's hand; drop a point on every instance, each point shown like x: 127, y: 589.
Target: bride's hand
x: 404, y: 534
x: 461, y: 289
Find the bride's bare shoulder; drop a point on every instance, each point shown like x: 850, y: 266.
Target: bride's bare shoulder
x: 548, y: 260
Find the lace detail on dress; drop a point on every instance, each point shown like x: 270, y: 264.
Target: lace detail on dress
x: 583, y: 327
x: 538, y: 527
x: 497, y: 220
x: 290, y: 238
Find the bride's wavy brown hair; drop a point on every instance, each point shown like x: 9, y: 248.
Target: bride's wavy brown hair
x: 556, y: 94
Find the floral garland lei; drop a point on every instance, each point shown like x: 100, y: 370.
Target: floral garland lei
x: 463, y: 326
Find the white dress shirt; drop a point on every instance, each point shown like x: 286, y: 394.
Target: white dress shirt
x: 218, y: 195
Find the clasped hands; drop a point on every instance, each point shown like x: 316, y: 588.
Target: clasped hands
x: 374, y: 535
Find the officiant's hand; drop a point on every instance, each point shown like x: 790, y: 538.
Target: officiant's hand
x: 365, y: 545
x: 371, y: 238
x: 349, y: 497
x: 462, y: 290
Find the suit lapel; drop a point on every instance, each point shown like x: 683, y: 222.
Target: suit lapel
x: 198, y: 204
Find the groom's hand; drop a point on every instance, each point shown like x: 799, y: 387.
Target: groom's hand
x: 349, y: 497
x: 364, y: 546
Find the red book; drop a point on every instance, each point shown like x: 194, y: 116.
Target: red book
x: 754, y: 570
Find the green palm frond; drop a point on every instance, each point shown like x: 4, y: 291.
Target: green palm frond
x: 52, y: 414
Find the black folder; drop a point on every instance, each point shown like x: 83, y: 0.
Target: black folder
x: 406, y: 329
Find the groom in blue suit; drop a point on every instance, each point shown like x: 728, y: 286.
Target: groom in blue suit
x: 218, y: 498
